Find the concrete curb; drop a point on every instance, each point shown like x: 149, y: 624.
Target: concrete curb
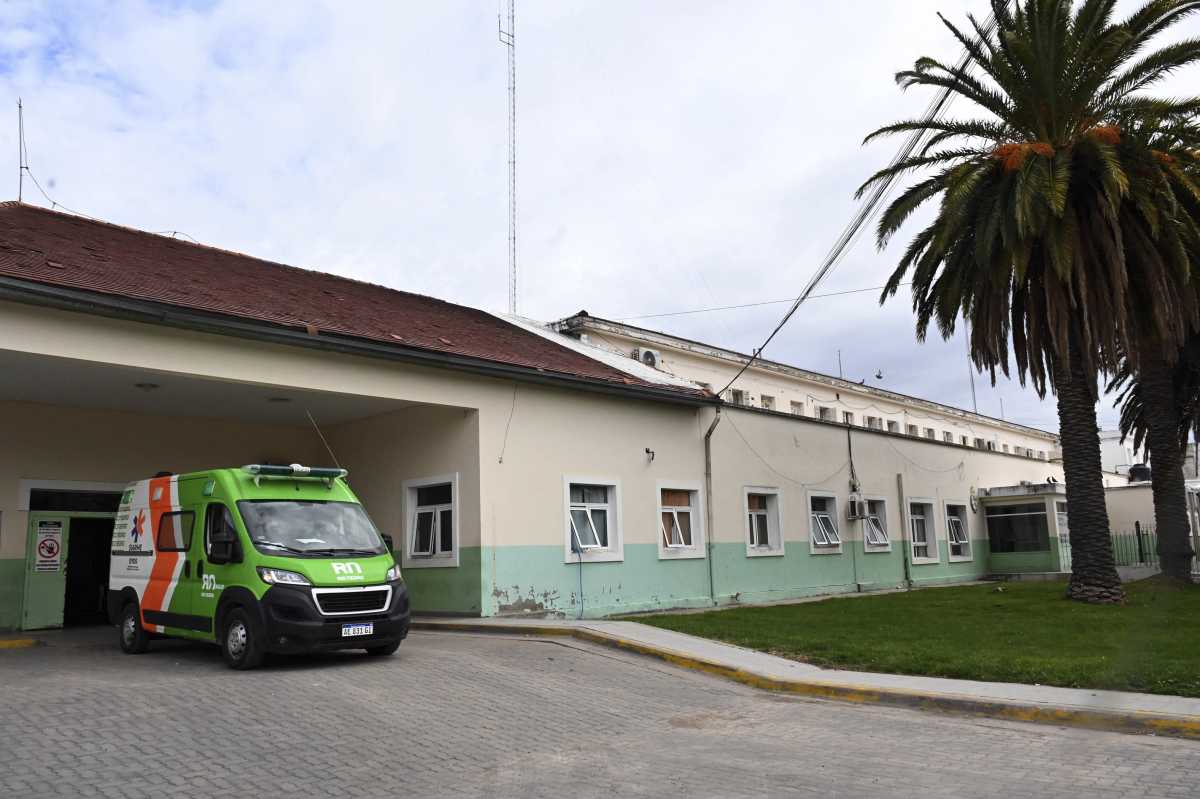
x: 18, y: 643
x: 1128, y: 722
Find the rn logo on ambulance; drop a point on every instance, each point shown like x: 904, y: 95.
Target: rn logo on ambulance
x: 347, y: 571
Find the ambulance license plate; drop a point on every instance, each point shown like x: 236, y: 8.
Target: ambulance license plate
x: 351, y: 630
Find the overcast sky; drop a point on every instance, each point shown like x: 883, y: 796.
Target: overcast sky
x: 672, y: 155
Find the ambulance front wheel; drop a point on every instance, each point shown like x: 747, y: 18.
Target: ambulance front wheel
x: 241, y: 641
x: 134, y: 638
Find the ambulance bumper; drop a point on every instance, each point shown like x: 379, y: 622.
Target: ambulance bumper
x: 294, y: 624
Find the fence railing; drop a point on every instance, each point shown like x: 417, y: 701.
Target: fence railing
x: 1136, y: 548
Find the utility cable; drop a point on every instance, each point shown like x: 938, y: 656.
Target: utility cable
x: 751, y: 304
x: 880, y: 191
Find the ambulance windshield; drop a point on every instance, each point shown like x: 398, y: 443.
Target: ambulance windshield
x: 310, y: 529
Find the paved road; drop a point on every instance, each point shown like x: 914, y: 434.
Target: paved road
x: 466, y: 715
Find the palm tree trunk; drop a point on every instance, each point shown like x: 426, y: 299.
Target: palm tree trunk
x: 1166, y: 459
x: 1094, y: 575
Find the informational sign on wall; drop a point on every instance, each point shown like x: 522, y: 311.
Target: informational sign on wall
x: 48, y: 554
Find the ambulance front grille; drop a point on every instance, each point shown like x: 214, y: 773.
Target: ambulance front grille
x: 353, y: 601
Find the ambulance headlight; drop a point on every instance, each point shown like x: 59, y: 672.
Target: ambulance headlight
x: 281, y: 577
x: 393, y: 574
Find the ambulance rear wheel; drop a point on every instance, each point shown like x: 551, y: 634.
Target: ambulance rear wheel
x: 241, y: 641
x: 134, y: 638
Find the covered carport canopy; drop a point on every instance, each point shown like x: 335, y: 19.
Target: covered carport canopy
x: 74, y: 432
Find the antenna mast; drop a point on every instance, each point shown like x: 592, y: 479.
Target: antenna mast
x: 20, y: 150
x: 508, y: 38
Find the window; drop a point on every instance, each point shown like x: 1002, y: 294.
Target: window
x: 991, y: 445
x: 875, y: 535
x: 1041, y: 454
x: 431, y: 523
x: 589, y: 517
x: 931, y: 434
x: 798, y: 408
x: 825, y: 414
x: 948, y: 438
x: 979, y: 443
x: 921, y: 532
x: 737, y: 397
x: 847, y: 417
x: 220, y: 534
x: 767, y: 402
x: 175, y: 531
x: 958, y: 531
x: 433, y: 527
x: 1018, y: 528
x: 592, y: 523
x: 680, y: 521
x: 964, y: 441
x: 823, y: 529
x: 762, y: 522
x: 874, y: 423
x: 1064, y: 528
x: 913, y: 430
x: 893, y: 427
x: 1005, y: 447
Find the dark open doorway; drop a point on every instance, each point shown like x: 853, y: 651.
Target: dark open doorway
x: 87, y: 571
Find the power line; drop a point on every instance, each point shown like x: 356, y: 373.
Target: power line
x: 751, y: 304
x: 852, y: 231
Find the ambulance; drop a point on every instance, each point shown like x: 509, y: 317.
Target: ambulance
x: 256, y: 559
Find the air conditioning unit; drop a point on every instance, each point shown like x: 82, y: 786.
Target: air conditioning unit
x: 856, y: 507
x: 649, y: 357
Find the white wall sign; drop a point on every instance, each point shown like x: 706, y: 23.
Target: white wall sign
x: 48, y: 550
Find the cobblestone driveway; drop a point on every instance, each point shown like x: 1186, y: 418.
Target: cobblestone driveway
x: 466, y: 715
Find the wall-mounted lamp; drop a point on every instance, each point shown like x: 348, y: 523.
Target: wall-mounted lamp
x: 147, y: 387
x: 649, y: 455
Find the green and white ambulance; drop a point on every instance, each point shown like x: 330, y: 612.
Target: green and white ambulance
x: 258, y: 559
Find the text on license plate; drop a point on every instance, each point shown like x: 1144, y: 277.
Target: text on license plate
x: 350, y: 630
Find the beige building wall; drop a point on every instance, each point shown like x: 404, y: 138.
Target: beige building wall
x: 1128, y: 505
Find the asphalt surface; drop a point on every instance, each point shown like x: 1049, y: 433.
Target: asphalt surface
x: 456, y: 714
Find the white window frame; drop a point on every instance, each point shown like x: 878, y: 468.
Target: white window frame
x: 931, y: 528
x: 893, y: 426
x: 697, y: 549
x: 966, y: 523
x: 848, y: 418
x: 823, y: 549
x: 887, y: 530
x: 774, y: 522
x: 766, y: 402
x: 409, y: 507
x: 826, y: 413
x: 912, y: 430
x: 615, y: 551
x: 947, y: 437
x: 798, y: 408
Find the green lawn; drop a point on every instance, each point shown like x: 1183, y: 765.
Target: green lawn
x: 1025, y: 633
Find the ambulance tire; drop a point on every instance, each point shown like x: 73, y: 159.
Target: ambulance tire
x: 383, y: 650
x: 242, y: 641
x: 132, y: 635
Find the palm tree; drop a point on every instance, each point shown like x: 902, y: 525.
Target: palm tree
x: 1172, y: 405
x: 1158, y: 383
x: 1026, y: 243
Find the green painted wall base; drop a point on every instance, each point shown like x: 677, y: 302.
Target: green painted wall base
x: 447, y: 589
x: 534, y: 580
x: 12, y: 588
x: 1018, y: 562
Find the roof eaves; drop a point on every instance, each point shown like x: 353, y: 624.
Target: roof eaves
x: 31, y: 292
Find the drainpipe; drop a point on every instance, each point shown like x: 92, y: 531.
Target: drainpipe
x: 904, y: 532
x: 708, y: 504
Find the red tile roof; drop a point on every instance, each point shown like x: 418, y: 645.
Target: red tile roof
x: 58, y: 249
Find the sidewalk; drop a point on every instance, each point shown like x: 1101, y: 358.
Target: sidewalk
x: 1109, y: 710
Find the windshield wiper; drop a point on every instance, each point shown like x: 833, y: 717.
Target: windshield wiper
x: 334, y: 551
x: 278, y: 545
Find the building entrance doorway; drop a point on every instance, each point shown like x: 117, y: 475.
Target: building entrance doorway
x: 67, y: 558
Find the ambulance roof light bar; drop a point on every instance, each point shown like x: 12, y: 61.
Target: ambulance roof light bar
x: 295, y: 470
